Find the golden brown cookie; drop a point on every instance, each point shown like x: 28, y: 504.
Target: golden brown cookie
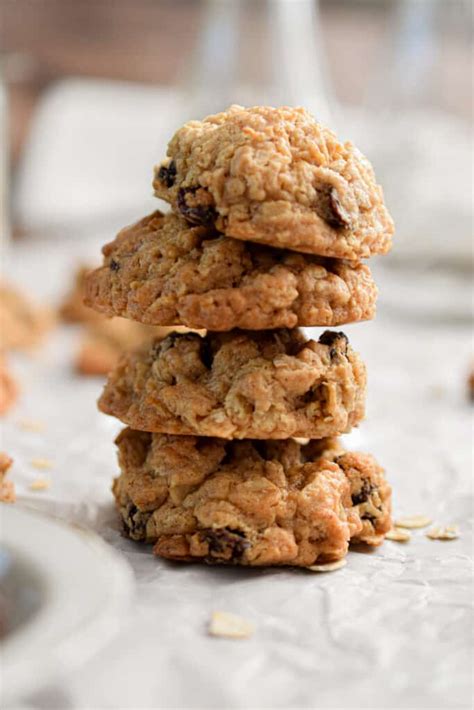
x: 23, y: 323
x: 249, y: 502
x: 276, y: 176
x: 162, y: 271
x: 242, y: 384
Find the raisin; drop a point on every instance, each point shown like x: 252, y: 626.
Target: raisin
x: 225, y: 544
x: 330, y: 209
x: 199, y: 215
x: 339, y: 216
x: 364, y: 493
x: 114, y: 265
x: 134, y: 523
x: 333, y: 339
x: 207, y: 356
x: 167, y: 174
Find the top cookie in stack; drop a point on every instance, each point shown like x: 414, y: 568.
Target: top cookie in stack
x: 277, y: 177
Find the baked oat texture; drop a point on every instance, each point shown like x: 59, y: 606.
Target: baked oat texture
x: 23, y: 323
x: 242, y: 384
x: 7, y: 488
x: 276, y: 176
x: 249, y: 502
x: 162, y: 271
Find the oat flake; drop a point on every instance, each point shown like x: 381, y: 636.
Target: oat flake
x: 398, y: 535
x: 329, y: 567
x: 40, y: 484
x: 230, y: 626
x: 443, y: 532
x: 42, y: 463
x: 413, y: 521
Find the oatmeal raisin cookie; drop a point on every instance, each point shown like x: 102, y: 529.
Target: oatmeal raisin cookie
x: 276, y: 176
x: 163, y: 271
x: 242, y: 384
x: 249, y: 502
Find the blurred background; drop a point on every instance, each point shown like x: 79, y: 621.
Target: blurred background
x: 92, y: 90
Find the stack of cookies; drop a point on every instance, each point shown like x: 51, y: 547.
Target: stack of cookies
x: 231, y: 453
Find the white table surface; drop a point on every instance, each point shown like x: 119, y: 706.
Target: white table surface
x: 390, y: 630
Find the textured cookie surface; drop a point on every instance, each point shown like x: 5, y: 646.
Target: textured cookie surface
x: 278, y: 177
x: 249, y: 502
x: 242, y: 384
x: 162, y: 271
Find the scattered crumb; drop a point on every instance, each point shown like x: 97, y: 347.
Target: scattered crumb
x: 230, y: 626
x: 7, y: 488
x: 443, y: 532
x: 31, y: 424
x: 438, y: 391
x: 42, y: 463
x: 398, y: 535
x: 329, y: 567
x: 40, y: 484
x: 413, y: 522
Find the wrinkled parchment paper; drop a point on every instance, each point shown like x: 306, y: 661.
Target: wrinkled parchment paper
x: 392, y: 629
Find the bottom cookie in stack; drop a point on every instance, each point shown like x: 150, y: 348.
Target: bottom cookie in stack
x: 249, y: 502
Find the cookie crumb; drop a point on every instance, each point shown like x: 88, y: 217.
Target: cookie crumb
x: 329, y: 567
x: 412, y: 522
x: 31, y: 424
x: 443, y: 532
x: 230, y: 626
x: 42, y: 463
x: 40, y: 484
x: 7, y: 488
x: 398, y: 535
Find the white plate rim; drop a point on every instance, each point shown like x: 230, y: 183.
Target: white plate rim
x: 40, y: 651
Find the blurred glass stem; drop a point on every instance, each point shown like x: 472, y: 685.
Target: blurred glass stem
x: 257, y: 52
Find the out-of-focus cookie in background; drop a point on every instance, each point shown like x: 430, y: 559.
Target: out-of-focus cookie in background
x: 24, y: 325
x: 103, y: 339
